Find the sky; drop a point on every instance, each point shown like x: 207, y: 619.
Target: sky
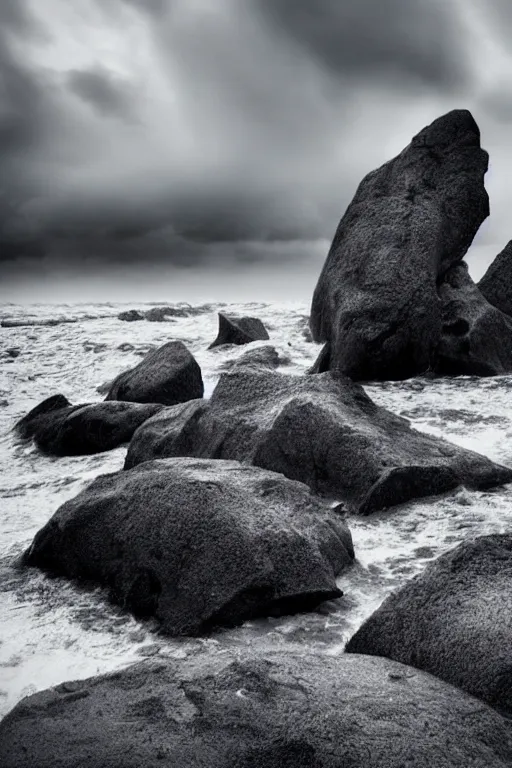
x: 206, y: 149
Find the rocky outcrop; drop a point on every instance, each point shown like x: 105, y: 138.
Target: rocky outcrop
x: 476, y: 338
x: 376, y: 303
x: 199, y: 543
x: 257, y: 709
x: 323, y: 430
x: 161, y: 314
x: 454, y: 621
x: 62, y: 429
x: 496, y: 284
x: 130, y: 316
x: 239, y: 330
x: 167, y: 375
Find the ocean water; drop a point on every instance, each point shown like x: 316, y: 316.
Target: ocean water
x: 53, y: 631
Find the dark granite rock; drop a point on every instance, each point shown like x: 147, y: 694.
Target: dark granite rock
x: 239, y: 330
x: 62, y: 429
x: 376, y: 303
x: 131, y: 316
x: 199, y: 543
x: 476, y: 338
x: 323, y: 430
x: 454, y: 620
x: 167, y: 375
x: 496, y: 284
x: 163, y: 314
x: 261, y: 357
x: 27, y: 426
x: 256, y: 710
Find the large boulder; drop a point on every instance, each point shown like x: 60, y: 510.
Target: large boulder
x: 167, y: 375
x: 323, y: 430
x: 376, y: 303
x: 256, y: 710
x: 239, y: 330
x: 476, y: 338
x: 199, y: 543
x: 62, y: 429
x: 496, y: 284
x: 454, y: 620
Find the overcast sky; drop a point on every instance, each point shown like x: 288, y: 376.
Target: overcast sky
x: 183, y: 149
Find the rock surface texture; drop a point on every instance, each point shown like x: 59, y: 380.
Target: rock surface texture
x: 263, y: 711
x: 199, y: 543
x: 167, y: 375
x: 496, y: 284
x: 476, y: 338
x: 62, y: 429
x: 239, y: 330
x: 323, y: 430
x: 454, y: 621
x: 376, y: 304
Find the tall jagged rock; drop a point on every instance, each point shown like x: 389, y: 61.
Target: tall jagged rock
x: 376, y: 303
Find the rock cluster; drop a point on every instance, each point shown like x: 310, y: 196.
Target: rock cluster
x: 323, y: 430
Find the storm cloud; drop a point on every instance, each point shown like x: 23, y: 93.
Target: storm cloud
x: 202, y: 135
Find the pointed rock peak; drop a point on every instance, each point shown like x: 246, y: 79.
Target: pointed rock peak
x: 455, y: 127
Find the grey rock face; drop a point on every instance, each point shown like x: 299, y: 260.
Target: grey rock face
x: 199, y: 543
x: 62, y: 429
x: 376, y: 302
x: 167, y: 375
x: 239, y: 330
x: 323, y: 430
x: 496, y: 284
x: 454, y: 621
x: 476, y: 338
x: 270, y: 710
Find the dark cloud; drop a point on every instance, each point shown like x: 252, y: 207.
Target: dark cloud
x: 103, y: 91
x: 16, y: 16
x: 235, y: 123
x: 409, y: 39
x: 155, y: 8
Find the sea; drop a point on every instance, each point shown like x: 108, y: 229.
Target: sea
x: 52, y: 630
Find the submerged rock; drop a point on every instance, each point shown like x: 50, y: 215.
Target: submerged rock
x: 161, y: 314
x: 376, y: 302
x: 496, y: 284
x: 476, y: 338
x: 454, y: 620
x: 323, y: 430
x: 167, y: 375
x: 239, y: 330
x: 130, y: 316
x: 62, y: 429
x: 199, y: 543
x: 255, y: 709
